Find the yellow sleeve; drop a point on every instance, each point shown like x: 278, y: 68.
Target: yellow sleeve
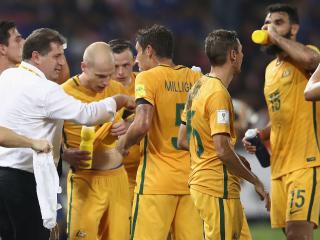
x: 218, y: 109
x: 144, y: 88
x: 313, y: 48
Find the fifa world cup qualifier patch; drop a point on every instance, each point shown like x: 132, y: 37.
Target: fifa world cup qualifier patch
x: 222, y: 116
x: 140, y: 91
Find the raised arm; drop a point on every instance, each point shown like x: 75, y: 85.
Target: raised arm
x: 312, y: 91
x: 306, y: 57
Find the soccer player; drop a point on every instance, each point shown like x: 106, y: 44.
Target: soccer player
x: 123, y: 53
x: 10, y: 139
x: 162, y: 199
x: 216, y: 168
x: 293, y: 131
x: 11, y: 43
x: 98, y: 198
x: 34, y: 105
x: 312, y: 90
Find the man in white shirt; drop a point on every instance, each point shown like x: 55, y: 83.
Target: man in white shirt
x: 34, y: 105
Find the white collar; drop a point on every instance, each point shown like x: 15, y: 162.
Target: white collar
x: 31, y: 68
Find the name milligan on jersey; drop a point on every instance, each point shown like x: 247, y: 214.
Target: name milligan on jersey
x: 173, y: 86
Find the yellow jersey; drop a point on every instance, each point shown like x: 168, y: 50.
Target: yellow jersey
x: 294, y: 135
x: 131, y: 161
x: 163, y: 168
x: 72, y: 131
x: 209, y: 111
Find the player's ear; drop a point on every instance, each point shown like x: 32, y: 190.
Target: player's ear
x: 83, y: 66
x: 3, y: 49
x: 36, y: 57
x: 233, y: 55
x: 149, y: 50
x: 294, y: 29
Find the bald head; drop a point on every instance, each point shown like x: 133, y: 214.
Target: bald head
x: 98, y: 53
x: 97, y: 66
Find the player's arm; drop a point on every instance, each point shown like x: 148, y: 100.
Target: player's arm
x: 10, y: 139
x: 182, y: 142
x: 231, y: 160
x: 182, y: 137
x: 235, y: 165
x: 303, y: 55
x: 312, y: 91
x: 139, y: 127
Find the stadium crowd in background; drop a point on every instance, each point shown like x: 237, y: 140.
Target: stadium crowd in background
x: 34, y: 108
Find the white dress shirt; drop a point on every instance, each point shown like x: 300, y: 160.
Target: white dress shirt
x: 34, y: 106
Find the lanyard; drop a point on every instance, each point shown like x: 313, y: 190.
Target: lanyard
x: 30, y: 70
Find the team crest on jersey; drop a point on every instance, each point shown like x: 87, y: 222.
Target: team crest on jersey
x: 81, y: 234
x: 140, y: 90
x: 286, y: 73
x: 222, y: 116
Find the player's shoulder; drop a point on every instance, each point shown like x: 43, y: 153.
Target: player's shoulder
x: 114, y: 87
x: 134, y: 75
x: 212, y: 84
x: 271, y: 64
x: 114, y: 83
x: 71, y: 83
x: 148, y: 77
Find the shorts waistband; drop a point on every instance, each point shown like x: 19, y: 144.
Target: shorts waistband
x: 89, y: 172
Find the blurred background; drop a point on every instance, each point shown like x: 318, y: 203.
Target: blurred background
x: 85, y: 21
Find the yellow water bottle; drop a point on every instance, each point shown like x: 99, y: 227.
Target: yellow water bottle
x: 260, y: 37
x: 87, y: 138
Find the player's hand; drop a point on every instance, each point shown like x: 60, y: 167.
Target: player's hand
x: 119, y: 128
x: 41, y: 145
x: 75, y: 157
x: 121, y: 148
x: 272, y: 34
x: 248, y: 146
x: 264, y: 195
x: 125, y: 101
x: 54, y: 233
x: 130, y: 104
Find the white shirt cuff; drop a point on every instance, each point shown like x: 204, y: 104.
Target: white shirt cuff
x: 111, y: 105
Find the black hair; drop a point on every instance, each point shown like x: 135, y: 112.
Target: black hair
x: 159, y: 38
x: 39, y: 40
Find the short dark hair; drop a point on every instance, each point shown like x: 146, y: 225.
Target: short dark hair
x: 5, y: 26
x: 217, y: 45
x: 39, y: 40
x: 159, y: 38
x: 287, y: 8
x: 120, y: 45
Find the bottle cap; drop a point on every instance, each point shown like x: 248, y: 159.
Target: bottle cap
x: 260, y: 37
x: 250, y: 133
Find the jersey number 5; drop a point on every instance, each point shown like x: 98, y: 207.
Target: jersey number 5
x: 191, y: 132
x: 179, y: 109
